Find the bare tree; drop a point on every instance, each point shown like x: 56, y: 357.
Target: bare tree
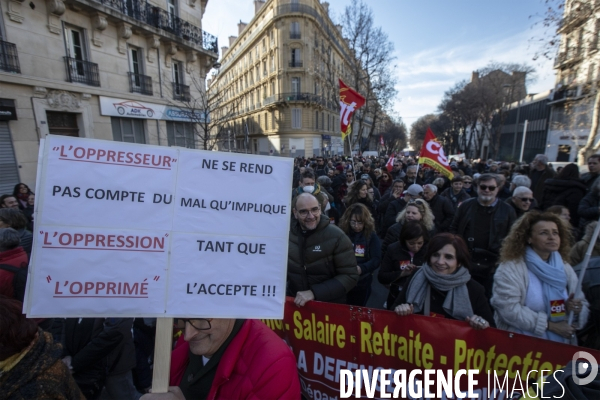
x: 418, y: 130
x: 372, y: 69
x: 394, y: 134
x: 210, y: 109
x: 470, y: 107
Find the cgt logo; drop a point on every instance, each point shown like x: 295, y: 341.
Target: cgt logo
x: 557, y: 308
x: 590, y: 365
x: 435, y: 148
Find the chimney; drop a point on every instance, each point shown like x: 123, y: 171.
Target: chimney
x: 241, y: 27
x: 474, y: 76
x: 232, y: 40
x: 340, y: 28
x: 325, y: 6
x: 224, y: 50
x: 258, y: 5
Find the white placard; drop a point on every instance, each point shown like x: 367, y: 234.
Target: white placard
x: 139, y: 230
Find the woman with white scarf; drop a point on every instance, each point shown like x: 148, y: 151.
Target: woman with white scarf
x: 534, y: 285
x: 443, y: 287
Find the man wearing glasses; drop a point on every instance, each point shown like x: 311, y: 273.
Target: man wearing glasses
x: 397, y: 171
x: 484, y: 222
x: 521, y: 200
x: 230, y: 359
x: 321, y: 261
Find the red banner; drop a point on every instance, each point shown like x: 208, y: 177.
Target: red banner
x: 350, y: 101
x: 327, y: 338
x: 432, y: 155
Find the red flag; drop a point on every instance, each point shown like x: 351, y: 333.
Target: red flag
x: 432, y: 154
x: 350, y: 101
x: 390, y: 163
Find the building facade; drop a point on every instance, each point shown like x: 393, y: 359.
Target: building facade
x: 489, y: 92
x: 104, y: 69
x: 280, y: 79
x: 529, y: 116
x: 577, y: 68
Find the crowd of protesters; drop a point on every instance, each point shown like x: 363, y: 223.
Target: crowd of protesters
x: 493, y: 245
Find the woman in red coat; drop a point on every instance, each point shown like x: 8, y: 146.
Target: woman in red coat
x: 11, y: 253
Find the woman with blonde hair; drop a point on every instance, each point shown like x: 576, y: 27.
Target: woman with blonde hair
x: 534, y: 285
x: 415, y: 210
x: 358, y: 224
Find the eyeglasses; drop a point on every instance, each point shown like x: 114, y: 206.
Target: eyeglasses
x: 313, y: 211
x: 467, y: 182
x: 490, y: 188
x: 356, y: 223
x: 527, y: 199
x: 198, y: 324
x: 417, y: 201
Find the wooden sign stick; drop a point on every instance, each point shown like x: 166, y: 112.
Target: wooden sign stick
x: 162, y: 355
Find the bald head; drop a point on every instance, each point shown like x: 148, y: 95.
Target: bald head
x: 307, y: 211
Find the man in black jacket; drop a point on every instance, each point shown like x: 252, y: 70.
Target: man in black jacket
x: 321, y: 261
x: 100, y: 351
x: 484, y: 222
x: 441, y: 207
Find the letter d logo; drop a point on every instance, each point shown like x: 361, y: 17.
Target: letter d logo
x: 582, y: 367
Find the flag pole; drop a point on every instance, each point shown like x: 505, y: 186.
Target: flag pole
x: 584, y: 265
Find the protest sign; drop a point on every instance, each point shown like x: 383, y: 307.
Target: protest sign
x: 138, y: 230
x: 327, y: 338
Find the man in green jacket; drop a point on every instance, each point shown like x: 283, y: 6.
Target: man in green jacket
x: 321, y: 261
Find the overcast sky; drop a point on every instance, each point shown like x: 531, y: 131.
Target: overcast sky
x: 437, y: 42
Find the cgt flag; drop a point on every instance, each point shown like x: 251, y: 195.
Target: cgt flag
x: 350, y: 101
x: 432, y: 154
x: 390, y: 163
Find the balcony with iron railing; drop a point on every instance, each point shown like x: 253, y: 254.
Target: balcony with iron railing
x: 139, y: 83
x: 295, y: 64
x: 324, y: 23
x: 564, y: 58
x: 156, y: 17
x: 181, y: 92
x: 81, y: 71
x: 575, y: 17
x: 9, y: 58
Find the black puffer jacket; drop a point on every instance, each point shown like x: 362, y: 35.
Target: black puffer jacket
x: 389, y: 274
x: 567, y: 193
x: 443, y: 211
x: 322, y: 261
x: 391, y: 213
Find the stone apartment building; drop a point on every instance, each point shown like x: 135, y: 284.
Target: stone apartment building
x: 103, y: 69
x: 577, y: 68
x: 280, y: 76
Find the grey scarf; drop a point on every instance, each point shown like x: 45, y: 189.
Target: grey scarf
x: 457, y: 302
